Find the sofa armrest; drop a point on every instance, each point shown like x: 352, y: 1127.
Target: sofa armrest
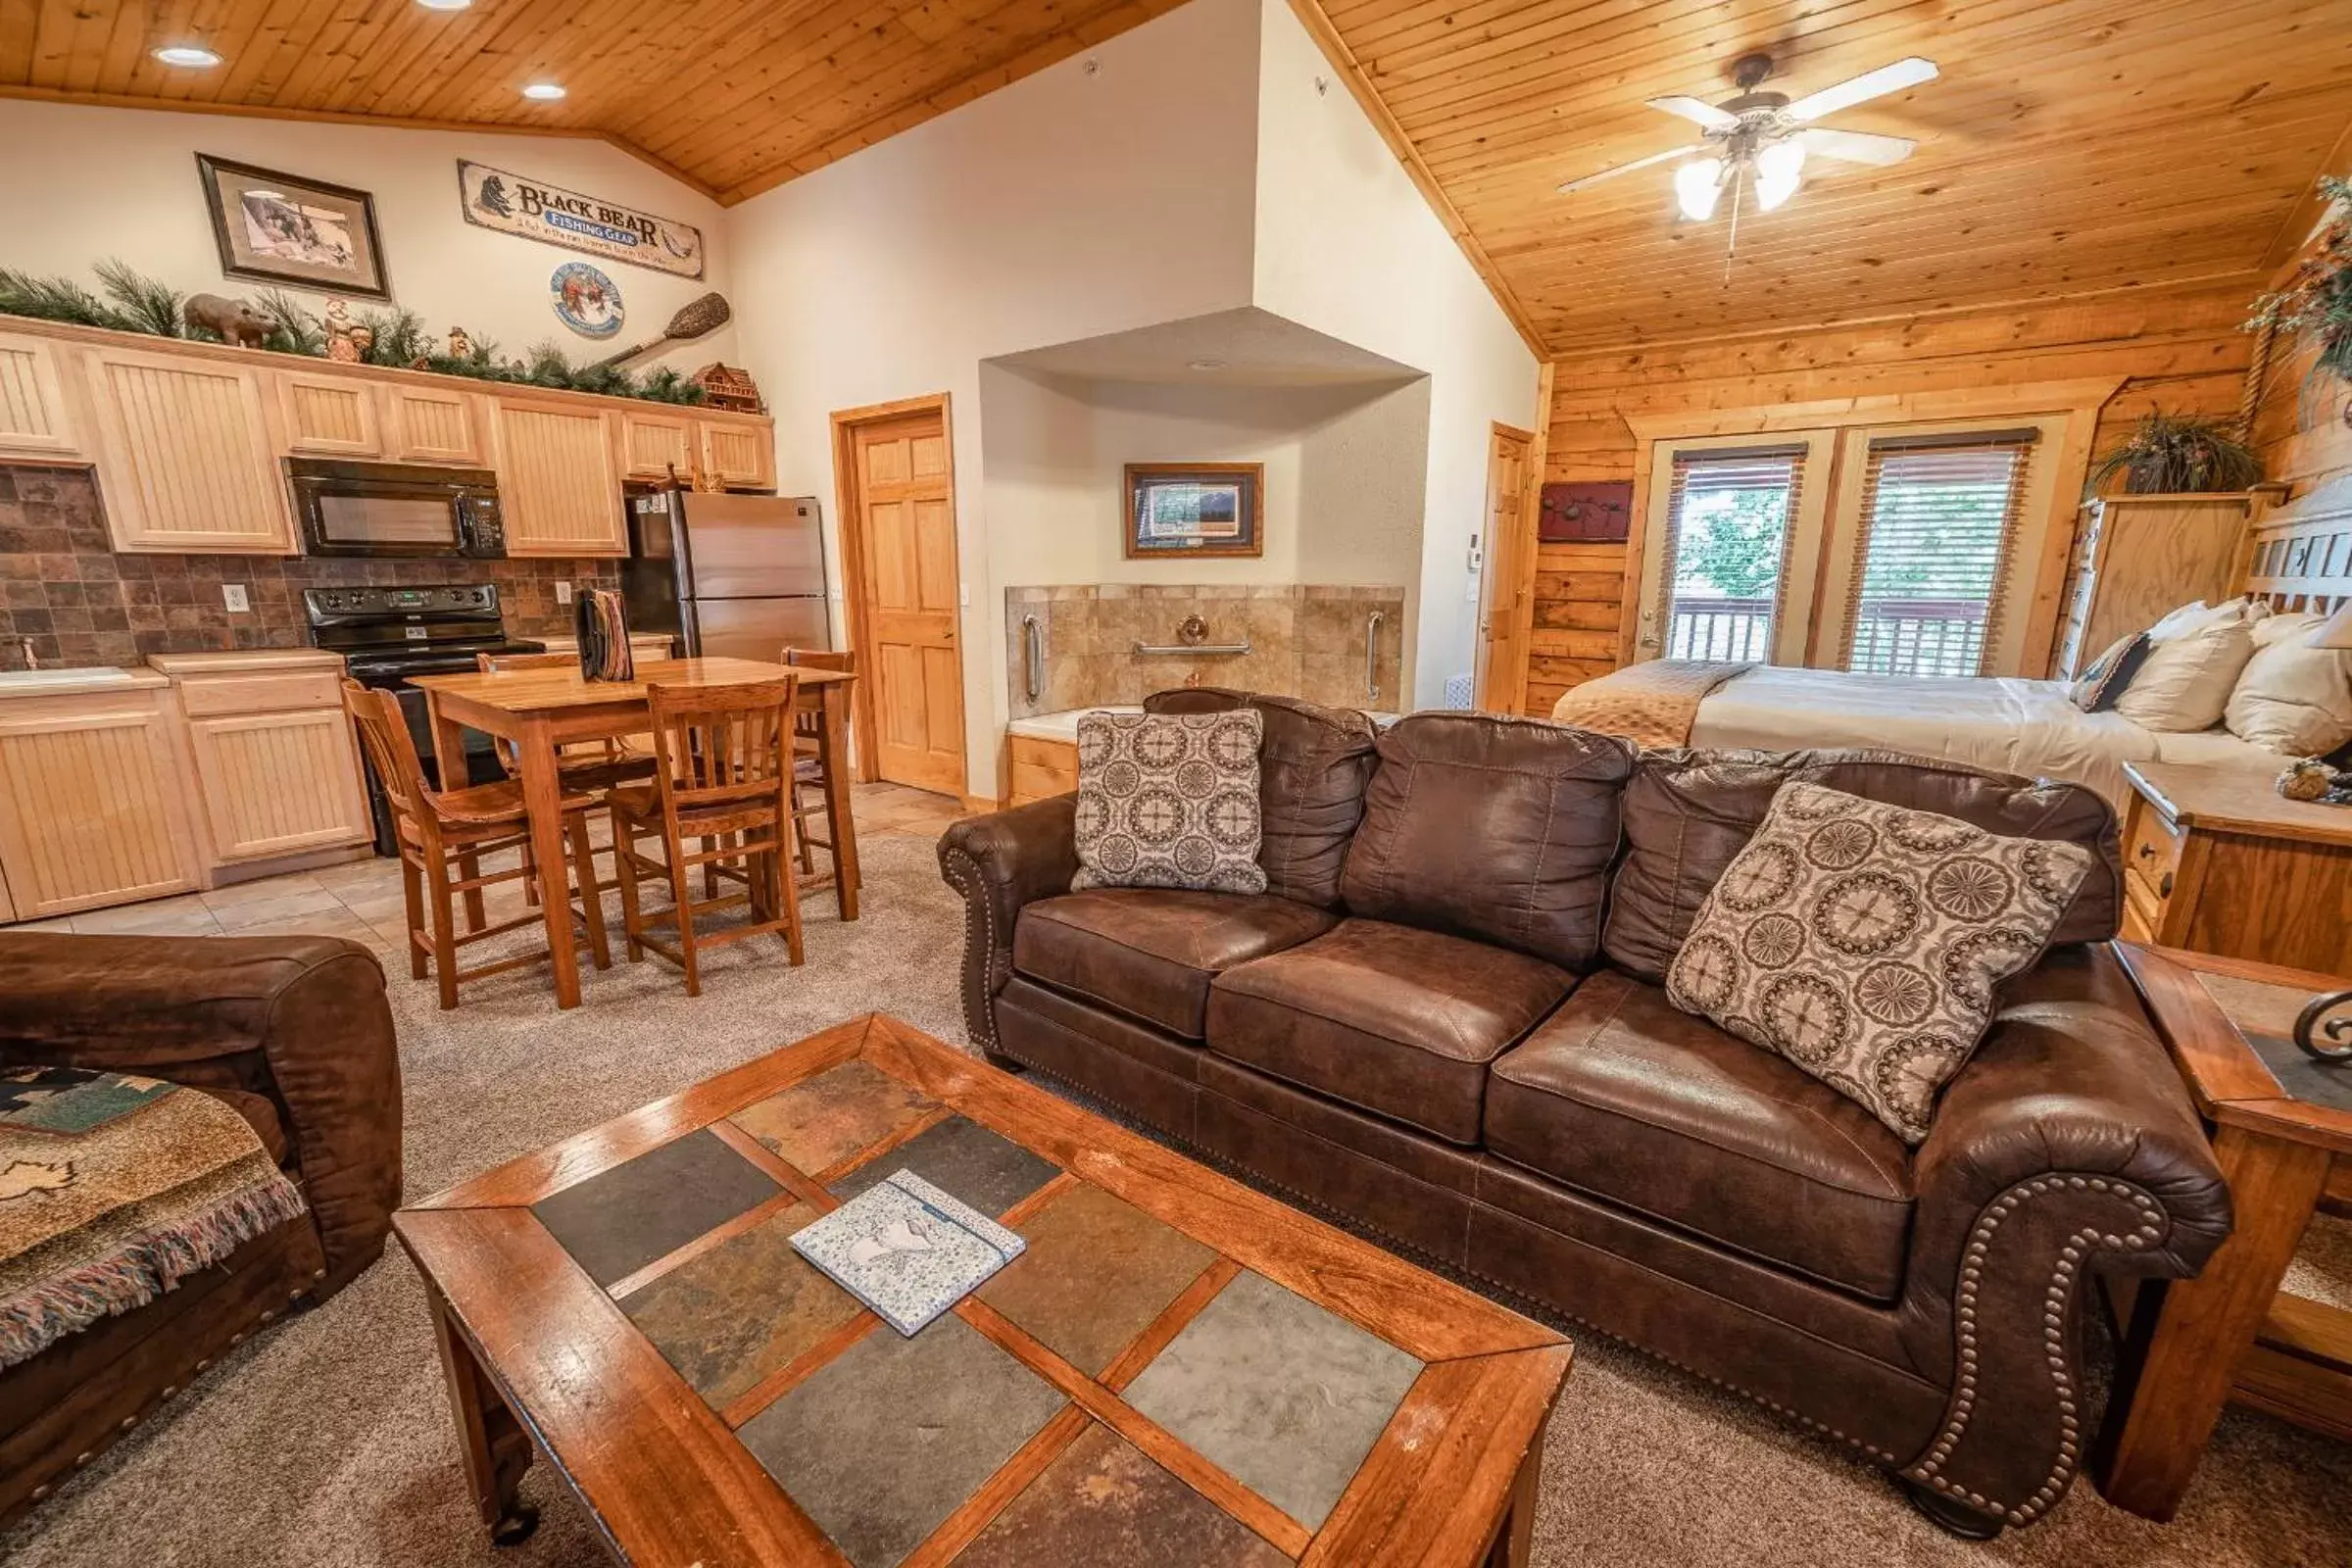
x: 301, y: 1020
x: 2067, y: 1143
x: 1000, y: 862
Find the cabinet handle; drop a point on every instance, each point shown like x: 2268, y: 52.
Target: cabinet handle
x: 2163, y: 886
x: 2147, y: 851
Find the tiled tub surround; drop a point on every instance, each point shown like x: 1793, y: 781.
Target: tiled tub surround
x: 1306, y: 640
x: 82, y: 604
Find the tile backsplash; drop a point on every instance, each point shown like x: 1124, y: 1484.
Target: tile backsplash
x: 1306, y: 640
x: 63, y: 587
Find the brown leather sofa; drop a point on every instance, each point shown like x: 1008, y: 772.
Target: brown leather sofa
x: 294, y: 1032
x: 1445, y: 1021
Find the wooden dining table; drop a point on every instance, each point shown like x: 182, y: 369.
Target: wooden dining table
x: 539, y: 711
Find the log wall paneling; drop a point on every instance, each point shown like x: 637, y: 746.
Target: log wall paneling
x: 331, y: 416
x: 559, y: 481
x: 36, y: 419
x: 432, y: 424
x: 89, y: 787
x: 191, y: 455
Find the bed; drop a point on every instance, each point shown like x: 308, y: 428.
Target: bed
x: 2301, y: 558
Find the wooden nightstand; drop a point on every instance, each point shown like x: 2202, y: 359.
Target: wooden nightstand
x: 2215, y: 860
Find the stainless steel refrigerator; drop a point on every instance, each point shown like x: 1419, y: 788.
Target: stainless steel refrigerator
x: 727, y: 575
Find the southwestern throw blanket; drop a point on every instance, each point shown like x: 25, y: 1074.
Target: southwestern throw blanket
x: 113, y: 1190
x: 1650, y: 703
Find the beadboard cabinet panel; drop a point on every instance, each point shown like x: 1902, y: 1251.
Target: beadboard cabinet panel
x: 740, y: 455
x: 331, y: 416
x: 90, y: 813
x: 433, y: 425
x: 655, y: 444
x: 36, y: 418
x: 278, y: 783
x: 559, y: 480
x: 188, y: 463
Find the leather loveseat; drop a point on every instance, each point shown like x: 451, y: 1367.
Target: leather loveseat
x: 293, y: 1033
x: 1446, y: 1021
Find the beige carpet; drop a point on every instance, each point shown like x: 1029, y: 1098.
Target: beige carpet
x: 324, y: 1442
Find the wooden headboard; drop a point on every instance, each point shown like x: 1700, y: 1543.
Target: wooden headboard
x: 2302, y: 552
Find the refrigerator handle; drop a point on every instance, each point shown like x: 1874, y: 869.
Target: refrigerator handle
x: 1033, y: 657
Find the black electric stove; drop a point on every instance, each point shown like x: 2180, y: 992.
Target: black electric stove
x: 389, y: 635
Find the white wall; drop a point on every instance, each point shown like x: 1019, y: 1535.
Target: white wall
x: 84, y: 183
x: 1068, y: 205
x: 1348, y: 246
x: 1342, y: 482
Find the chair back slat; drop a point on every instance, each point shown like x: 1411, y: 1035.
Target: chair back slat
x: 391, y: 750
x: 721, y: 745
x: 509, y: 758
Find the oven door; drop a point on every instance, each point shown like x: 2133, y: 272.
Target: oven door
x: 385, y: 509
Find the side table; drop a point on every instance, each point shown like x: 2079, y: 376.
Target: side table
x: 2282, y: 1135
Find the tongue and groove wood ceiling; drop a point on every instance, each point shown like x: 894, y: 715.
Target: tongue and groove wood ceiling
x: 2072, y: 148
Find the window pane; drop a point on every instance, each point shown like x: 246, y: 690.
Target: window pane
x: 1731, y: 522
x: 1939, y: 528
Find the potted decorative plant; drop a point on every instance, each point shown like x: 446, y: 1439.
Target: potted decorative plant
x: 2316, y: 304
x: 2180, y: 453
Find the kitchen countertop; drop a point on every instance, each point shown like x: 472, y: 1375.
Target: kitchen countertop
x: 253, y: 658
x: 74, y: 682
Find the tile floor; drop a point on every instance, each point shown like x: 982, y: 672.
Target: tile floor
x: 362, y: 899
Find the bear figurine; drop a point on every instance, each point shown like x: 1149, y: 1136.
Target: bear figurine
x: 237, y: 323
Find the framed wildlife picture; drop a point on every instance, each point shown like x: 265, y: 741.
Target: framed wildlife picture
x: 274, y: 227
x: 1196, y: 509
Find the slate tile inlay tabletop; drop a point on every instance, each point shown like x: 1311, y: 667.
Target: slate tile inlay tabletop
x: 1178, y: 1370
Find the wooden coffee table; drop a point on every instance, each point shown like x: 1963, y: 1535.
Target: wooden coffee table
x: 1179, y: 1370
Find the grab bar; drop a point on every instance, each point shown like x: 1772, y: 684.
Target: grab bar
x: 1219, y: 649
x: 1033, y: 658
x: 1372, y: 625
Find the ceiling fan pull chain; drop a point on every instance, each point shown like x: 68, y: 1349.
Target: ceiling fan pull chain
x: 1733, y: 249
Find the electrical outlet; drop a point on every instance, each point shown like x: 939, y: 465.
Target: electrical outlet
x: 1470, y: 592
x: 232, y: 594
x: 963, y: 595
x: 562, y: 591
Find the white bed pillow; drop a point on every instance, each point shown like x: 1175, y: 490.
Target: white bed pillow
x: 2187, y: 677
x: 2292, y: 697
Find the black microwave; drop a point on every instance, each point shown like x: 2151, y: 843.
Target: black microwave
x: 395, y: 508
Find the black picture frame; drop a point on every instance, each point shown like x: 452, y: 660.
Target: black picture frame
x: 276, y: 228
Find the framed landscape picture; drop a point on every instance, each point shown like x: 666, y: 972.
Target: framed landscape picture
x: 1196, y: 509
x: 282, y: 229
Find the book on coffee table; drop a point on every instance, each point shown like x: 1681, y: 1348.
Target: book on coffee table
x: 907, y: 1250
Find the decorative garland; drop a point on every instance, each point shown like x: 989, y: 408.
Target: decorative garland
x: 2317, y: 302
x: 395, y: 339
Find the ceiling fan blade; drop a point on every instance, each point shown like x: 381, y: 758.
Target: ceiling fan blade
x: 1637, y: 163
x: 1696, y: 112
x: 1855, y: 146
x: 1627, y: 169
x: 1905, y: 73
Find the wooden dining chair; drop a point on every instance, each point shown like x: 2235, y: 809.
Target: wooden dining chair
x: 722, y: 780
x: 809, y: 764
x: 436, y: 827
x: 589, y: 767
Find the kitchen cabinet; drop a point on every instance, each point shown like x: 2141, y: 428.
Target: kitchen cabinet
x: 277, y: 771
x: 559, y: 480
x: 741, y: 455
x: 187, y: 461
x: 656, y: 443
x: 36, y: 418
x: 331, y: 416
x: 429, y: 424
x: 90, y: 793
x: 1041, y: 768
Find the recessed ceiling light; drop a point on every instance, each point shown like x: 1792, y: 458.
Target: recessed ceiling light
x: 445, y: 5
x: 186, y: 54
x: 544, y: 91
x: 1204, y: 365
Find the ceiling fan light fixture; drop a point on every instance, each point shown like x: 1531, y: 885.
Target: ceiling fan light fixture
x: 1696, y: 185
x: 1780, y: 170
x: 545, y: 92
x: 187, y: 56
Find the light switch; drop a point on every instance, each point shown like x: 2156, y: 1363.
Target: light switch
x: 232, y: 594
x: 963, y: 595
x: 562, y: 591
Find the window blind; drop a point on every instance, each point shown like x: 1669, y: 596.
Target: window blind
x: 1729, y: 515
x: 1940, y: 520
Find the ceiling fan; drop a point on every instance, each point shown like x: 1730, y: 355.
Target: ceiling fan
x: 1762, y: 139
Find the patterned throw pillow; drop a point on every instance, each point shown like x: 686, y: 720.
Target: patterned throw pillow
x: 1169, y: 801
x: 1864, y: 942
x: 2096, y: 690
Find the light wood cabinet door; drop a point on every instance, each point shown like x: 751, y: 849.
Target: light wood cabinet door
x: 187, y: 461
x: 653, y: 445
x: 559, y: 480
x: 433, y: 425
x: 740, y: 455
x: 36, y: 418
x: 331, y: 416
x: 88, y: 804
x: 278, y: 783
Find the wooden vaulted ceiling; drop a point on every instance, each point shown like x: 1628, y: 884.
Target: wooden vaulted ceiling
x: 2072, y: 148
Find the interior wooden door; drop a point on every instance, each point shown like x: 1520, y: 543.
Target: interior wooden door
x: 904, y: 478
x: 1503, y: 646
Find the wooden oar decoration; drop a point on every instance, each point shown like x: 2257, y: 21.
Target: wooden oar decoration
x: 694, y: 319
